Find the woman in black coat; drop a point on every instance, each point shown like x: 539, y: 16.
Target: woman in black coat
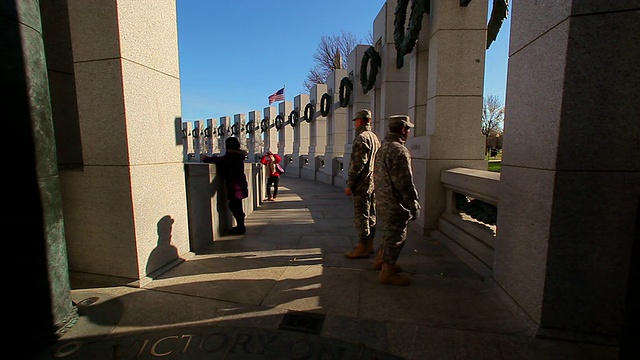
x: 231, y: 167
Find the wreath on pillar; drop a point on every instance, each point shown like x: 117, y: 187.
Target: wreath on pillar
x: 346, y: 87
x: 235, y: 130
x: 207, y: 132
x: 406, y: 41
x: 194, y: 133
x: 294, y: 116
x: 279, y: 121
x: 499, y: 12
x: 251, y: 127
x: 325, y: 104
x: 264, y: 124
x: 309, y: 111
x: 368, y: 80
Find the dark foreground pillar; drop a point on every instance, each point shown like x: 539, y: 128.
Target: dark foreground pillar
x: 34, y: 250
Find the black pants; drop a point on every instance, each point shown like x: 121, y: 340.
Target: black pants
x: 236, y: 208
x: 272, y: 180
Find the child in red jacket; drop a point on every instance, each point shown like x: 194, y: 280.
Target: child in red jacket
x: 270, y: 160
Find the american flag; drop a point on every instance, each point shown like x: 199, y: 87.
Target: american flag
x: 277, y: 96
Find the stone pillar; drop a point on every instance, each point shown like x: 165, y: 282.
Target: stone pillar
x: 128, y: 84
x: 390, y: 94
x: 267, y: 126
x: 255, y: 139
x: 215, y: 136
x: 359, y: 100
x: 41, y: 294
x: 300, y: 134
x: 418, y: 65
x: 239, y: 130
x: 224, y: 131
x: 317, y: 135
x: 447, y: 67
x: 210, y: 136
x: 336, y: 131
x: 285, y: 133
x: 187, y: 138
x: 199, y: 138
x: 568, y: 213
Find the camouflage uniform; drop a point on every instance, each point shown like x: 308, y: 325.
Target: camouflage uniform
x: 396, y: 195
x: 360, y: 181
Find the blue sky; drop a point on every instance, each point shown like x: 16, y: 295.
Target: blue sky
x: 234, y: 54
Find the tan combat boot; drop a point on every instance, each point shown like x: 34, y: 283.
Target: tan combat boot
x: 390, y: 277
x: 369, y: 242
x: 360, y: 251
x: 377, y: 263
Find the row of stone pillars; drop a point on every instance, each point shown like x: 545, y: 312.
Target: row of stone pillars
x: 440, y: 87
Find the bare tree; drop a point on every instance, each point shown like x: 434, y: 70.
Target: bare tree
x: 492, y: 118
x: 330, y: 49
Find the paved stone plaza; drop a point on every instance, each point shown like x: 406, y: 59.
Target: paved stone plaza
x: 284, y: 290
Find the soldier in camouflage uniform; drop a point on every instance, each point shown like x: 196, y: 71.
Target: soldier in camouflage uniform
x: 360, y: 184
x: 396, y: 198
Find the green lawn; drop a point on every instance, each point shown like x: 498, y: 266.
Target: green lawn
x: 495, y: 166
x: 495, y: 162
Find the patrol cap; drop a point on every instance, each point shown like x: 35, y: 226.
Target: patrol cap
x: 397, y: 120
x: 363, y: 114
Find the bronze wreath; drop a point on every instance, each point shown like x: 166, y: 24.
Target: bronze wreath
x: 221, y: 130
x: 369, y: 80
x: 346, y: 87
x: 207, y: 132
x: 325, y: 104
x: 234, y: 129
x: 251, y: 126
x: 406, y: 41
x: 279, y: 121
x: 194, y: 132
x: 264, y: 124
x: 294, y: 116
x: 309, y: 111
